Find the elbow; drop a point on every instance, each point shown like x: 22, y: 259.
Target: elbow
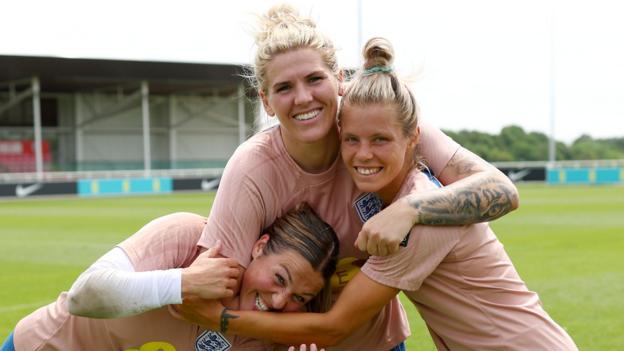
x: 509, y: 189
x: 73, y: 304
x: 513, y: 195
x: 515, y: 200
x: 83, y: 301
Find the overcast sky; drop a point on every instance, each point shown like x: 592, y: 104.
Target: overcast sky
x: 478, y: 64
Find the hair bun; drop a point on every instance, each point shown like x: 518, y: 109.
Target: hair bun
x: 280, y: 16
x: 378, y: 52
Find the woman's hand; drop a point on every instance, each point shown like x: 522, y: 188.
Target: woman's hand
x: 210, y: 276
x: 304, y: 347
x: 382, y: 233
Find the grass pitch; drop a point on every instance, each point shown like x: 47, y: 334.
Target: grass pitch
x: 566, y: 242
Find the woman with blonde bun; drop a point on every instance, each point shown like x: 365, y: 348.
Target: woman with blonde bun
x: 460, y: 278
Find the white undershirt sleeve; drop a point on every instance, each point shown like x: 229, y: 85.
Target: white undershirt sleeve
x: 111, y: 288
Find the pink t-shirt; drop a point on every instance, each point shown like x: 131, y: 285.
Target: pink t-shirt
x: 262, y: 182
x: 166, y: 242
x: 466, y: 287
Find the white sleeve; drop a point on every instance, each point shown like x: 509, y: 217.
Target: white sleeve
x: 111, y: 288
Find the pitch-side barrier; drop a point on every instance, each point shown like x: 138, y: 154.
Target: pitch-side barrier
x: 114, y: 183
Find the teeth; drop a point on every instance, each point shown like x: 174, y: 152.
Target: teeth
x: 367, y: 171
x: 261, y: 306
x: 308, y: 115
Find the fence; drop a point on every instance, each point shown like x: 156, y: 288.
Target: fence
x: 132, y: 182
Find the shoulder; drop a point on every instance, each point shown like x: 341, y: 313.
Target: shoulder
x: 261, y: 152
x: 431, y: 135
x: 172, y: 229
x: 435, y: 147
x: 416, y: 181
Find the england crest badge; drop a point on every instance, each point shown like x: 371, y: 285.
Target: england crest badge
x: 367, y: 205
x: 212, y: 341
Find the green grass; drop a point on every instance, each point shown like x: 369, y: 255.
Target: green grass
x: 566, y: 242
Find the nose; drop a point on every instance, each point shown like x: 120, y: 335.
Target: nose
x: 302, y: 95
x: 363, y: 151
x: 280, y: 299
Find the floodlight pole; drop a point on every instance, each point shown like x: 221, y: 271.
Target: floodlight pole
x: 552, y: 152
x: 359, y: 31
x: 360, y: 20
x: 147, y: 156
x: 173, y: 133
x: 36, y: 95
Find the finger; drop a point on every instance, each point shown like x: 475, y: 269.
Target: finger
x: 214, y: 251
x: 371, y: 247
x: 382, y: 250
x: 233, y: 273
x: 228, y: 292
x: 312, y: 347
x: 218, y: 293
x: 231, y: 283
x: 230, y: 262
x: 393, y: 248
x: 292, y: 348
x: 303, y: 347
x: 361, y: 241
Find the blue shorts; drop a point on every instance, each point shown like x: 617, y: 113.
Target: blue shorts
x: 399, y: 347
x: 8, y: 344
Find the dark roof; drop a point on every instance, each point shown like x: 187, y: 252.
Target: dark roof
x: 58, y: 74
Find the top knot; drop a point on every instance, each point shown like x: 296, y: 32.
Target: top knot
x: 378, y: 52
x: 280, y: 17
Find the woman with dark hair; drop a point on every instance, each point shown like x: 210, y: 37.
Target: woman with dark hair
x: 162, y: 265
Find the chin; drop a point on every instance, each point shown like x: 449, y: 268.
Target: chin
x: 367, y: 187
x: 313, y: 136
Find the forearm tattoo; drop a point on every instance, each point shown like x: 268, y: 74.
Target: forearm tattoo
x: 478, y: 198
x: 225, y: 319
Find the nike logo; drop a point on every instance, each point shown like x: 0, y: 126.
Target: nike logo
x: 516, y: 176
x: 23, y: 191
x: 210, y: 184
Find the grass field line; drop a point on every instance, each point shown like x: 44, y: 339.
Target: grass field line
x: 23, y: 306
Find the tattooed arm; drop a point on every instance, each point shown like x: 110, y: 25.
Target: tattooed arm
x: 475, y: 192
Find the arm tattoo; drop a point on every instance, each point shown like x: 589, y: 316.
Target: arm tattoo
x: 474, y: 199
x: 463, y: 165
x: 225, y: 319
x: 473, y: 202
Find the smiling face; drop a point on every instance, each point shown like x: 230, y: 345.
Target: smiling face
x: 303, y: 93
x: 374, y: 148
x: 282, y: 281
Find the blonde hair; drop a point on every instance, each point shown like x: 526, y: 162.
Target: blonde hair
x: 282, y: 29
x: 377, y: 82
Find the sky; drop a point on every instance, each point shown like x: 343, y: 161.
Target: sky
x: 477, y: 65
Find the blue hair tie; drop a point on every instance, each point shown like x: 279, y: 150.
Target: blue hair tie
x: 376, y: 69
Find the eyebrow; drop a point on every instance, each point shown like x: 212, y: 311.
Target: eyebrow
x: 277, y: 84
x: 290, y: 280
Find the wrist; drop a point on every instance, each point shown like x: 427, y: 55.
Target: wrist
x: 186, y: 284
x: 224, y: 319
x: 412, y: 208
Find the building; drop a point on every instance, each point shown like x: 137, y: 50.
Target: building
x: 87, y: 114
x: 65, y: 119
